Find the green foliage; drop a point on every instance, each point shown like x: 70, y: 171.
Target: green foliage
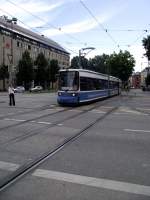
x: 99, y: 64
x: 41, y: 69
x: 53, y: 71
x: 147, y: 80
x: 75, y: 62
x: 25, y: 70
x: 3, y: 72
x: 146, y: 44
x: 121, y: 65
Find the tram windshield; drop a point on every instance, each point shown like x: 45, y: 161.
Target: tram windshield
x: 69, y: 80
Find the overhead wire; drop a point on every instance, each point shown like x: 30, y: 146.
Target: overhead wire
x: 41, y: 19
x: 129, y: 45
x: 32, y: 28
x: 106, y: 30
x: 100, y: 25
x: 20, y: 21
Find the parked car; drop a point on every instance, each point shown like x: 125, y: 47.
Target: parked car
x: 37, y: 88
x: 19, y: 89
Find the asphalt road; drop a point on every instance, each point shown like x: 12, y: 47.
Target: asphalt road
x: 108, y: 161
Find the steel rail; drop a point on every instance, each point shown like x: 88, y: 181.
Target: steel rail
x: 28, y: 167
x: 38, y: 130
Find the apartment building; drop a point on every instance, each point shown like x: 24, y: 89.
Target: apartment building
x: 14, y: 40
x: 135, y: 80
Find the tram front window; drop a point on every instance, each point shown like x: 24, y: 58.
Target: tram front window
x: 68, y: 81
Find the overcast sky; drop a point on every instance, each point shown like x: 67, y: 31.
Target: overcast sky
x: 107, y: 26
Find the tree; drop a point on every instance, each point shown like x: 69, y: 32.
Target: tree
x: 25, y: 70
x: 53, y: 71
x: 99, y: 63
x: 146, y: 44
x: 41, y: 69
x: 75, y: 62
x: 4, y: 74
x: 121, y: 65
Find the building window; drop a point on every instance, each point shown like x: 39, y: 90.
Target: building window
x: 29, y: 47
x: 18, y: 43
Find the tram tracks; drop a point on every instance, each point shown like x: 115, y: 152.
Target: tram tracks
x: 39, y: 130
x: 27, y: 112
x: 32, y: 119
x: 30, y: 165
x: 47, y: 115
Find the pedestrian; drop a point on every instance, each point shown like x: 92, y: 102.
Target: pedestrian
x: 11, y: 95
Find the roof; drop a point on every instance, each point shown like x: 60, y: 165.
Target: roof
x: 29, y: 34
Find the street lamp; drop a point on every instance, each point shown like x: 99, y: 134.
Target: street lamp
x: 82, y: 53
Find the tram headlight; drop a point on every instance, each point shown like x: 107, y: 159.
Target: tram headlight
x: 73, y: 94
x: 59, y: 93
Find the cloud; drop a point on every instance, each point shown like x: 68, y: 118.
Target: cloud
x: 36, y: 7
x: 78, y: 27
x: 26, y: 8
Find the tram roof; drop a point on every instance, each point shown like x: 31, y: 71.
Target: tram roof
x: 93, y: 74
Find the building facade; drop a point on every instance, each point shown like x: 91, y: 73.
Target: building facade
x: 135, y: 80
x: 14, y: 40
x: 144, y: 74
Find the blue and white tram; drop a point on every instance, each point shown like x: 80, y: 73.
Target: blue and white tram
x: 77, y: 86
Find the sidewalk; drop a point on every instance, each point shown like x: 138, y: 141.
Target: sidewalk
x: 3, y: 93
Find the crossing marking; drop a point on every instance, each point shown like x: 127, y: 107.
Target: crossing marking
x: 16, y: 120
x: 97, y: 111
x: 8, y: 166
x: 44, y: 123
x: 134, y: 130
x: 83, y: 180
x: 94, y: 182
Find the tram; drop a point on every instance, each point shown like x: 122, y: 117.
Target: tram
x: 76, y: 86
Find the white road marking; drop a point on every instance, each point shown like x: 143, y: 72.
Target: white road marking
x: 97, y: 111
x: 132, y: 113
x: 17, y: 120
x: 126, y: 110
x: 44, y: 123
x: 75, y: 110
x: 107, y: 107
x: 59, y: 124
x: 52, y: 105
x: 94, y: 182
x: 134, y: 130
x: 143, y: 108
x: 8, y: 166
x: 84, y: 180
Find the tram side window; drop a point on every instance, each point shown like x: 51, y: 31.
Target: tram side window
x: 83, y: 84
x: 87, y: 84
x: 110, y: 84
x: 97, y: 84
x: 104, y: 84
